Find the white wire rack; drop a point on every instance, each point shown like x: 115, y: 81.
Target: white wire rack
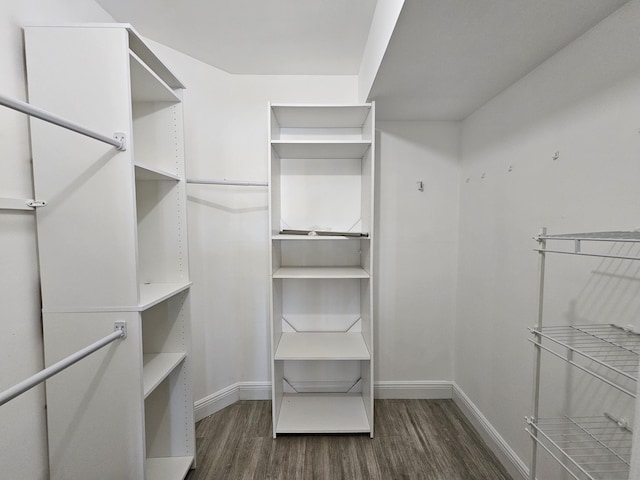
x: 580, y: 240
x: 610, y: 346
x: 589, y: 448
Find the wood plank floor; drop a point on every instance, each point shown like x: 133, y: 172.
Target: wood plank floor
x: 414, y: 440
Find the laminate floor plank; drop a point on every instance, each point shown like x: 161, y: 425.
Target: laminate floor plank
x: 414, y: 440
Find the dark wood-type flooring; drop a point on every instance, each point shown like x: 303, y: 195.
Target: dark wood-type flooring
x: 414, y: 439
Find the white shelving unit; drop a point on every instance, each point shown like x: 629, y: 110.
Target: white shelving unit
x: 321, y: 167
x: 112, y: 247
x: 593, y: 447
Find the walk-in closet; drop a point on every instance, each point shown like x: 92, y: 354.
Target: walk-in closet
x: 375, y: 239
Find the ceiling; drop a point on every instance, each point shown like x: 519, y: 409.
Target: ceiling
x: 445, y: 58
x: 281, y: 37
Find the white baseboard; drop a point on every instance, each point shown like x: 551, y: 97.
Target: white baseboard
x: 262, y: 391
x: 230, y: 395
x: 500, y: 448
x: 413, y: 389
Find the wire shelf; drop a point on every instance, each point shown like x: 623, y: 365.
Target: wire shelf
x: 619, y: 236
x: 609, y: 346
x: 578, y: 238
x: 593, y: 448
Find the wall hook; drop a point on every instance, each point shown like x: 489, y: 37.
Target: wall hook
x: 420, y: 185
x: 556, y: 155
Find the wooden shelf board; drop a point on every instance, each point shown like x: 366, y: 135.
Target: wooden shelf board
x: 146, y: 86
x: 146, y: 172
x: 157, y: 367
x: 167, y: 468
x: 322, y: 346
x: 321, y: 272
x: 322, y: 413
x: 153, y: 293
x: 320, y: 149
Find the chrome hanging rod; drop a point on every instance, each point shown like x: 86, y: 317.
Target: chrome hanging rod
x: 120, y: 332
x: 118, y: 139
x: 240, y: 183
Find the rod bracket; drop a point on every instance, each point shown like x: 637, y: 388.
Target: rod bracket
x: 122, y: 138
x: 36, y: 203
x: 122, y: 327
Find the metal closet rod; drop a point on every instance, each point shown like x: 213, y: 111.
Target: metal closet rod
x: 120, y: 332
x: 241, y: 183
x: 117, y: 140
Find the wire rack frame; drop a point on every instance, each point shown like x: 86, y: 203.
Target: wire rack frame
x: 589, y: 448
x: 607, y: 345
x: 578, y: 238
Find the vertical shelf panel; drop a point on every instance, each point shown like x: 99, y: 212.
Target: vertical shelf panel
x: 112, y: 246
x: 87, y: 184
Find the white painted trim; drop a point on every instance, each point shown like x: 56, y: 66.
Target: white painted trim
x: 501, y: 449
x: 229, y: 395
x: 255, y: 390
x: 262, y: 391
x: 413, y: 389
x: 216, y: 402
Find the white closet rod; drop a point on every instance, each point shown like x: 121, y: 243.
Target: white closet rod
x: 18, y: 204
x: 241, y: 183
x: 118, y: 139
x: 18, y: 389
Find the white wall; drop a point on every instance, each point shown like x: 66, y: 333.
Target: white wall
x: 416, y: 254
x: 585, y: 104
x: 23, y: 430
x: 226, y: 138
x: 225, y: 124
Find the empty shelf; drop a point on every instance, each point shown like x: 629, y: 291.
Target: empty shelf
x: 321, y: 272
x: 591, y: 240
x: 322, y: 413
x: 322, y: 346
x: 157, y: 366
x: 607, y: 345
x: 321, y: 116
x: 153, y: 293
x: 146, y: 85
x: 620, y: 236
x: 168, y: 468
x: 320, y: 149
x: 594, y: 446
x: 147, y: 172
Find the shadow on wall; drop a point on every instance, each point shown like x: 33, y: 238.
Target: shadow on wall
x: 602, y: 57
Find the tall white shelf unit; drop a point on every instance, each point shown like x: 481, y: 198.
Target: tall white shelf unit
x: 588, y: 447
x: 321, y: 168
x: 112, y: 247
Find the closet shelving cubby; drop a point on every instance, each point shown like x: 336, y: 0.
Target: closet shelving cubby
x: 112, y: 247
x: 321, y: 167
x: 588, y: 447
